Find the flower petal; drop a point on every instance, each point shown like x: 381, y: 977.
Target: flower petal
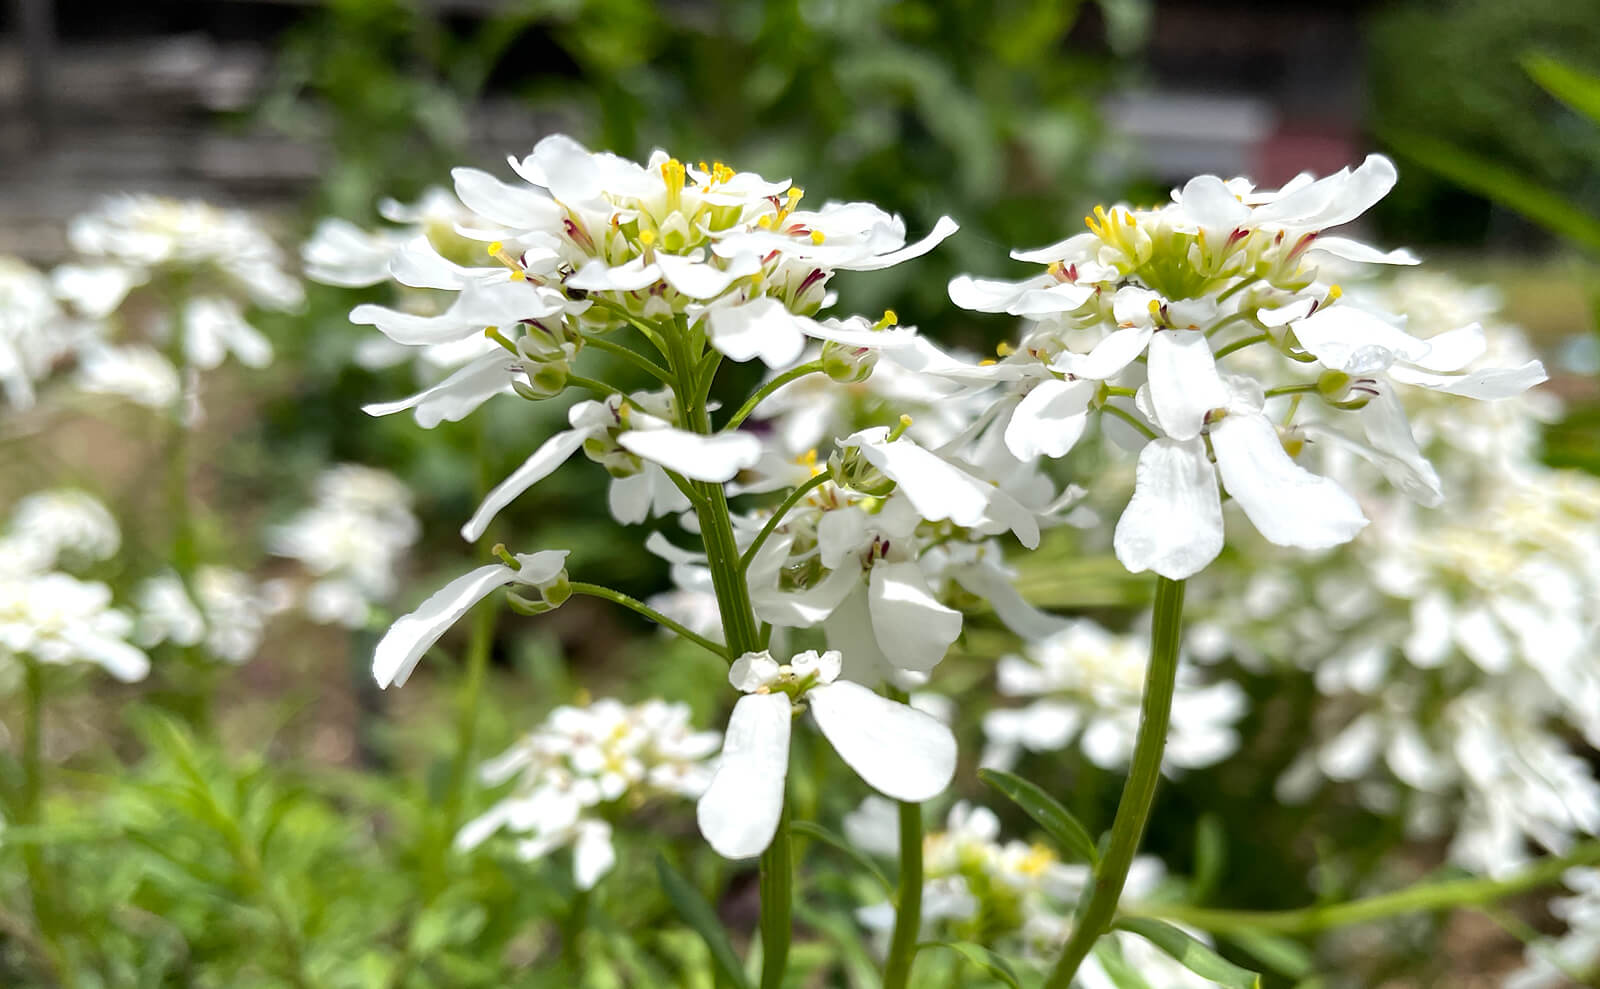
x: 592, y: 854
x: 701, y: 279
x: 761, y: 328
x: 1108, y: 357
x: 899, y: 751
x: 1287, y: 503
x: 552, y: 453
x: 495, y: 303
x: 519, y: 208
x: 1173, y: 524
x: 1049, y: 419
x: 454, y: 398
x: 715, y: 458
x: 1354, y: 250
x: 1488, y: 384
x: 941, y: 230
x: 739, y: 811
x: 1351, y: 340
x: 1184, y: 384
x: 912, y: 628
x: 414, y: 634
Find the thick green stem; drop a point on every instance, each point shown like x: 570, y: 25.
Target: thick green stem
x: 742, y: 634
x: 1425, y: 898
x: 908, y: 901
x: 1138, y: 794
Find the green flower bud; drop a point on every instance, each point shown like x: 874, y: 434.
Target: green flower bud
x: 851, y: 469
x: 848, y: 365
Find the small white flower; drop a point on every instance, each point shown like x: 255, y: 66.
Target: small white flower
x: 897, y: 750
x: 58, y: 619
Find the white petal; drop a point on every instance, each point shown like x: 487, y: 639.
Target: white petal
x: 539, y: 567
x: 1173, y: 524
x: 419, y: 265
x: 414, y: 634
x: 519, y: 208
x: 1049, y: 419
x: 716, y: 458
x: 898, y: 750
x: 115, y: 656
x: 1060, y: 298
x: 1384, y: 421
x: 1287, y: 503
x: 597, y: 276
x: 496, y: 303
x: 986, y: 294
x: 629, y: 498
x: 849, y: 630
x: 1208, y: 202
x: 552, y: 453
x: 1059, y: 251
x: 592, y: 854
x: 701, y: 279
x: 1354, y: 250
x: 454, y: 398
x: 1009, y: 605
x: 1184, y: 384
x: 1488, y: 384
x: 1108, y: 357
x: 739, y: 811
x: 843, y: 333
x: 912, y: 628
x: 942, y: 229
x: 937, y: 489
x: 759, y: 328
x: 1348, y: 339
x: 1454, y: 349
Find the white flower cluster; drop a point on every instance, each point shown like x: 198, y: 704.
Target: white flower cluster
x: 981, y: 889
x: 581, y: 769
x: 351, y: 540
x: 1455, y: 651
x: 226, y: 612
x: 35, y: 333
x: 46, y: 613
x: 1089, y: 683
x: 1145, y: 307
x: 1574, y: 957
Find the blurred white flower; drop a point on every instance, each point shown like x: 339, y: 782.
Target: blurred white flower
x: 47, y: 527
x: 34, y: 331
x: 1554, y: 962
x: 582, y: 767
x: 228, y: 620
x: 56, y: 618
x: 136, y: 372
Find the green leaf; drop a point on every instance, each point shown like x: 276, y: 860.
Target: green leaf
x: 817, y: 831
x: 1191, y: 954
x: 1576, y: 89
x: 1071, y: 837
x: 1492, y: 180
x: 1121, y: 974
x: 1281, y: 954
x: 697, y: 913
x: 982, y: 957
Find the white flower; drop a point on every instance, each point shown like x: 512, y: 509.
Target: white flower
x: 409, y: 638
x: 47, y: 526
x: 585, y: 761
x: 897, y: 750
x: 1551, y: 961
x: 136, y: 372
x: 34, y: 332
x: 58, y: 619
x: 1090, y: 683
x: 228, y: 619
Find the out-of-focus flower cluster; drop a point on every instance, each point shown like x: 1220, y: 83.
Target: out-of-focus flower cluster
x: 582, y: 769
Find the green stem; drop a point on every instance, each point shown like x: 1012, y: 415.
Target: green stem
x: 1237, y: 286
x: 1129, y: 418
x: 1138, y: 794
x: 793, y: 499
x: 1289, y: 390
x: 634, y: 604
x: 777, y: 903
x: 598, y: 387
x: 480, y: 638
x: 627, y: 356
x: 762, y: 393
x: 1424, y: 898
x: 1239, y: 345
x: 41, y: 878
x: 908, y: 902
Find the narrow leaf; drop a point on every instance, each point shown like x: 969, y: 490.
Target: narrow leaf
x: 1281, y: 954
x: 1190, y: 953
x: 697, y: 913
x: 817, y: 831
x: 1071, y: 837
x: 980, y: 956
x: 1210, y: 856
x: 1492, y: 180
x: 1575, y: 88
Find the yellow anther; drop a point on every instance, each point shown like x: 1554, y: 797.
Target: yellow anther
x: 808, y: 459
x: 1155, y: 307
x: 890, y: 318
x: 795, y: 192
x: 646, y: 238
x: 1003, y: 349
x: 765, y: 223
x: 988, y: 362
x: 519, y: 276
x: 1088, y: 221
x: 495, y: 248
x: 1334, y: 292
x: 817, y: 237
x: 673, y: 173
x: 1128, y: 219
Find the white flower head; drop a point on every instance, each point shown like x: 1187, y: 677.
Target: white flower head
x: 896, y: 749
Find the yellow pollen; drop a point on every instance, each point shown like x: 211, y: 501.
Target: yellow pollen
x: 890, y: 318
x: 519, y: 276
x: 672, y: 172
x: 1129, y: 220
x: 1003, y: 349
x: 1334, y: 292
x: 765, y: 223
x: 1155, y: 307
x: 795, y: 192
x: 988, y: 362
x: 817, y: 237
x: 646, y: 238
x: 809, y: 458
x: 721, y: 172
x: 495, y: 247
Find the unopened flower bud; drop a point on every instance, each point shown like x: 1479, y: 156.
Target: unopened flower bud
x: 545, y: 380
x: 848, y: 365
x: 1333, y: 385
x: 553, y: 593
x: 851, y: 469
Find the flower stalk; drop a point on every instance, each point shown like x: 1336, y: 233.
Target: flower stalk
x: 908, y: 900
x: 1138, y: 794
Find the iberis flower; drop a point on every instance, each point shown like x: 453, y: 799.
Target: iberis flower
x: 584, y: 767
x: 1138, y: 318
x: 896, y: 749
